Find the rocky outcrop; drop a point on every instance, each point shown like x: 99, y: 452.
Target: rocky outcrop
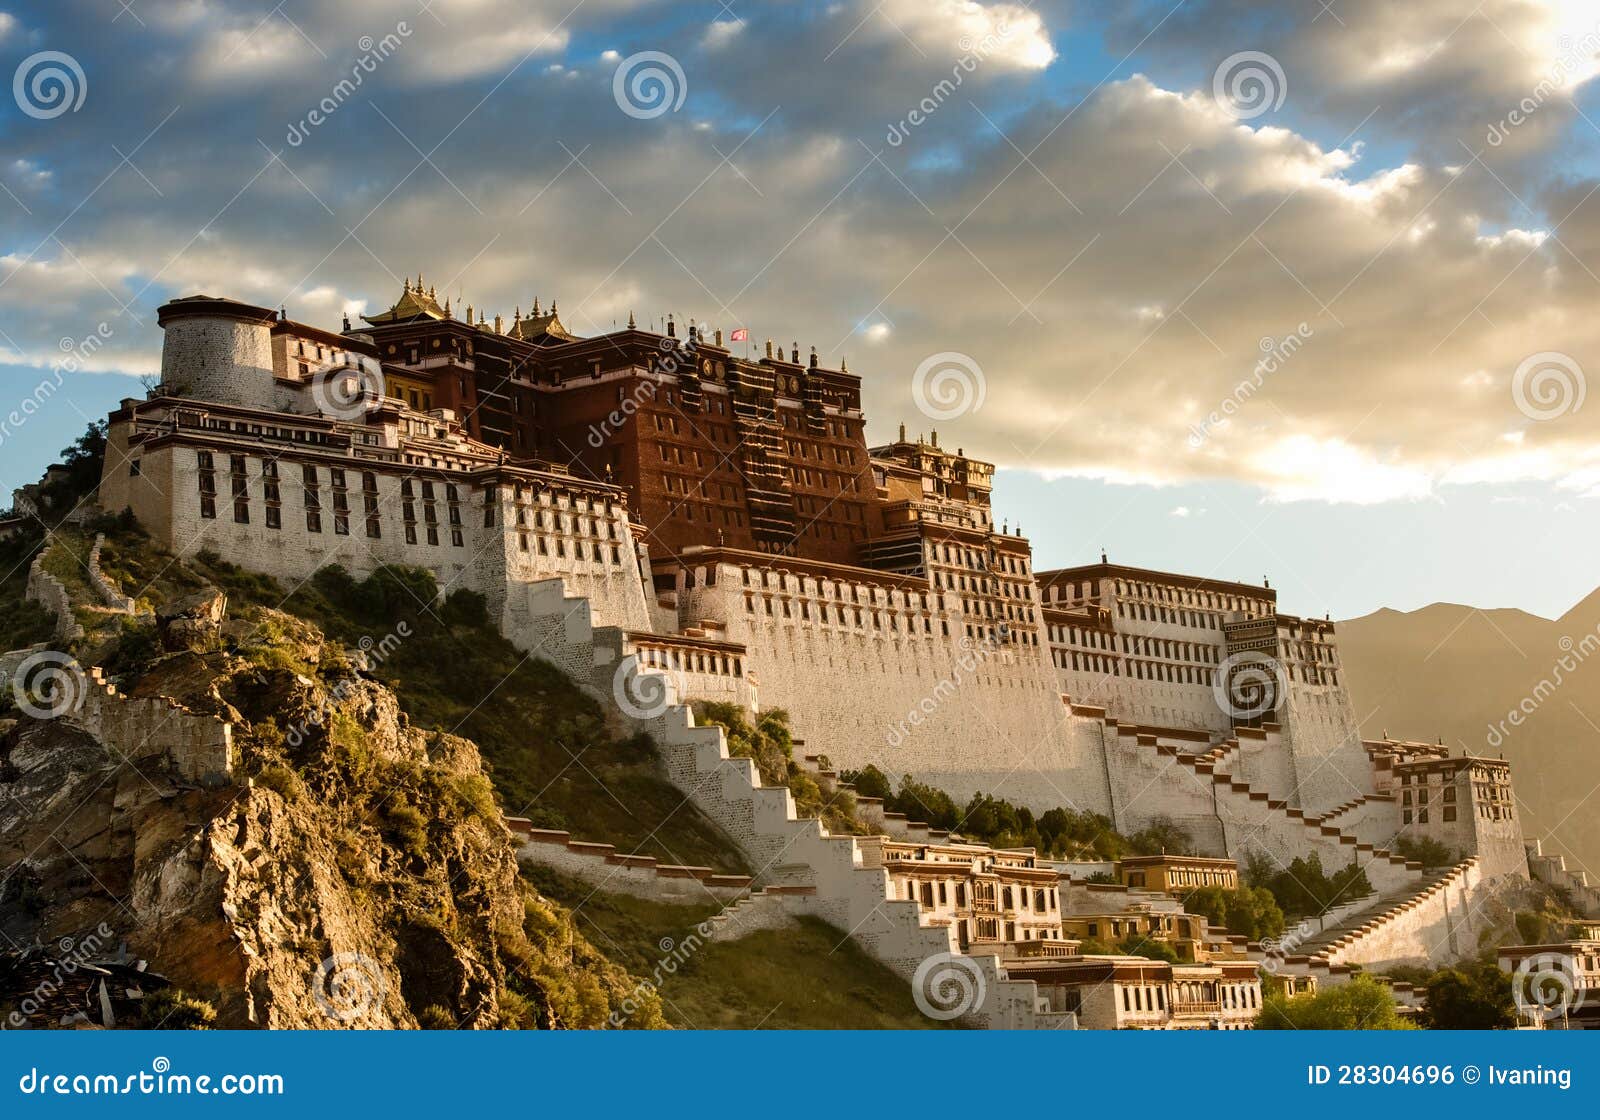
x: 193, y: 622
x: 350, y: 870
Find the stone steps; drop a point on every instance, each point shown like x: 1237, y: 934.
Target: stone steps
x: 821, y: 874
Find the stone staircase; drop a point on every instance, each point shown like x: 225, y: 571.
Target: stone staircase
x: 1553, y: 871
x: 1372, y: 934
x: 1255, y: 821
x: 801, y: 867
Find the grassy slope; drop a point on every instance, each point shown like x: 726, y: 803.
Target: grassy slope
x: 530, y: 728
x: 21, y: 623
x: 810, y: 977
x: 552, y: 756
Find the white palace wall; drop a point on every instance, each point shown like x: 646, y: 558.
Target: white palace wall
x: 875, y: 674
x: 587, y: 544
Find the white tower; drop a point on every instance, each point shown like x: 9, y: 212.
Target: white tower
x: 217, y: 350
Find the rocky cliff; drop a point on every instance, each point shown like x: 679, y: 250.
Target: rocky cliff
x: 350, y: 870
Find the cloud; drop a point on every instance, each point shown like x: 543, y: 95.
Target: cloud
x: 723, y: 33
x: 1114, y: 286
x: 1007, y: 35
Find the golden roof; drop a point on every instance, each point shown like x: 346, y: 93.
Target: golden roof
x: 537, y: 326
x: 414, y: 303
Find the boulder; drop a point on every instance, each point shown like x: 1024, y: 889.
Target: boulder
x: 193, y: 622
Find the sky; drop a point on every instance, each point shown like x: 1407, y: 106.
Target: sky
x: 1301, y: 290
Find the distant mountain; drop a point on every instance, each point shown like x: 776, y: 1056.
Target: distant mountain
x: 1458, y: 673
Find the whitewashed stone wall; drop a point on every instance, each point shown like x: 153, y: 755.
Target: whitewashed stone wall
x: 1441, y: 923
x: 46, y: 590
x: 219, y: 359
x: 108, y: 591
x: 900, y: 689
x: 640, y: 876
x: 1324, y: 740
x: 782, y: 848
x: 587, y: 544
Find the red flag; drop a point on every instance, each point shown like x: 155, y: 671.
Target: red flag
x: 740, y: 335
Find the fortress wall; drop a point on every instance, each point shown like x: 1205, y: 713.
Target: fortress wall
x: 199, y: 747
x: 1147, y: 783
x: 1438, y: 925
x: 1375, y: 821
x: 219, y: 358
x: 899, y: 690
x: 103, y: 586
x: 593, y: 553
x: 826, y: 872
x: 1330, y: 764
x: 46, y: 590
x: 1264, y: 761
x: 639, y: 876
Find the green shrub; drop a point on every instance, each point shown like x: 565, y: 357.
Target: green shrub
x: 171, y: 1010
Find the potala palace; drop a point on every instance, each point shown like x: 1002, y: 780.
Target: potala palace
x: 669, y: 521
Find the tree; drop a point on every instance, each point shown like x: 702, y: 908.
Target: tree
x: 869, y: 782
x: 1361, y: 1005
x: 1425, y: 850
x: 1471, y: 997
x: 1136, y: 945
x: 1248, y: 911
x: 1161, y: 836
x: 83, y: 460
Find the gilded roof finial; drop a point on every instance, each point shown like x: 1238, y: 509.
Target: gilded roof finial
x: 769, y: 349
x: 535, y: 306
x: 447, y: 307
x: 552, y: 307
x: 902, y: 433
x: 517, y: 315
x: 631, y: 324
x: 405, y: 284
x: 430, y: 292
x: 499, y: 328
x: 469, y: 315
x: 844, y: 365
